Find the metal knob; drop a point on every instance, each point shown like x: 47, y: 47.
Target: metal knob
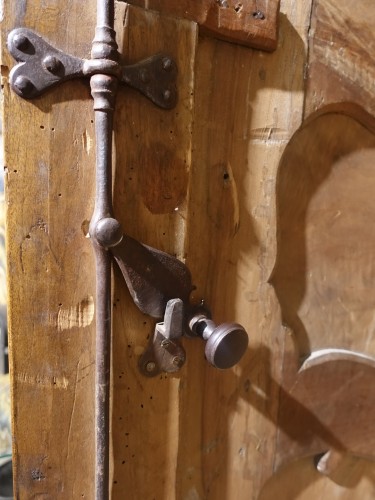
x: 226, y: 343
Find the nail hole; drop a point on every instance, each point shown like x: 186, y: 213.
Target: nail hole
x: 258, y: 15
x: 85, y: 228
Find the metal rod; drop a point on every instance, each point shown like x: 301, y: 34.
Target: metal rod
x: 102, y: 374
x: 105, y: 13
x: 103, y: 208
x: 103, y: 89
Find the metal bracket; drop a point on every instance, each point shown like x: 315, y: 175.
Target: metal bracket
x: 42, y: 66
x: 160, y: 285
x: 164, y: 352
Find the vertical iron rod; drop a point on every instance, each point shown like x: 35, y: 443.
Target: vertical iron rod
x: 103, y: 208
x: 103, y: 89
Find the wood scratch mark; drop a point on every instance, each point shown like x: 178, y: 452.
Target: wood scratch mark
x: 43, y: 381
x: 78, y: 316
x: 86, y: 142
x: 73, y: 406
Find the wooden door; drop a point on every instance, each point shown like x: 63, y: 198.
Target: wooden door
x: 261, y: 179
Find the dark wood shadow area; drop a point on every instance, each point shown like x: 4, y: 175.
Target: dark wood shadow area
x: 323, y: 278
x: 325, y: 270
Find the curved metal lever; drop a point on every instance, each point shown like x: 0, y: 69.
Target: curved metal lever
x: 160, y: 286
x: 152, y: 276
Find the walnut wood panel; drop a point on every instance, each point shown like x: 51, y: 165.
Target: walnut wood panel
x: 341, y: 49
x: 325, y: 256
x: 153, y: 155
x: 200, y: 181
x: 246, y: 110
x: 253, y: 23
x: 49, y: 162
x: 326, y: 247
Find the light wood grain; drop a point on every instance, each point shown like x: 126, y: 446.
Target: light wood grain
x: 250, y: 23
x: 341, y: 70
x: 323, y: 267
x: 246, y: 110
x: 153, y: 154
x: 220, y: 182
x: 49, y: 164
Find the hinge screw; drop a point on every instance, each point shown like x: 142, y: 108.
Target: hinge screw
x: 177, y: 361
x: 259, y: 15
x: 144, y: 76
x: 167, y: 94
x: 165, y: 343
x: 52, y: 64
x: 150, y: 366
x: 21, y: 42
x: 23, y: 85
x: 167, y: 64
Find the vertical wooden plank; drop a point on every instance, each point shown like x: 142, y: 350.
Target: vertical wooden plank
x: 49, y: 164
x: 329, y: 304
x: 247, y: 106
x: 153, y: 155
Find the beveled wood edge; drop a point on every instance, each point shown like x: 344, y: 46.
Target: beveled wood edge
x: 239, y: 24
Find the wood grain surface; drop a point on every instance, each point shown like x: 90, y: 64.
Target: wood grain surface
x: 49, y: 167
x: 250, y: 23
x: 261, y: 180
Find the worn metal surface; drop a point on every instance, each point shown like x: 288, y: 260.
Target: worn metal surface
x: 42, y: 67
x: 160, y: 285
x: 225, y: 344
x: 164, y: 353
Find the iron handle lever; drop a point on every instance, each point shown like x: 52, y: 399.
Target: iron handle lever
x: 160, y: 286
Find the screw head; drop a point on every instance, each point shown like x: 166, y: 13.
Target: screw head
x: 144, y: 75
x: 167, y: 94
x: 165, y: 343
x: 23, y: 85
x: 167, y: 64
x: 259, y: 15
x: 20, y: 41
x: 150, y: 366
x: 52, y: 64
x: 177, y: 361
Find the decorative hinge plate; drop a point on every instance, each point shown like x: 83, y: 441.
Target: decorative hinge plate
x: 42, y: 66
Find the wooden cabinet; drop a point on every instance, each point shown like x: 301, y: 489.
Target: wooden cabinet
x: 261, y: 179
